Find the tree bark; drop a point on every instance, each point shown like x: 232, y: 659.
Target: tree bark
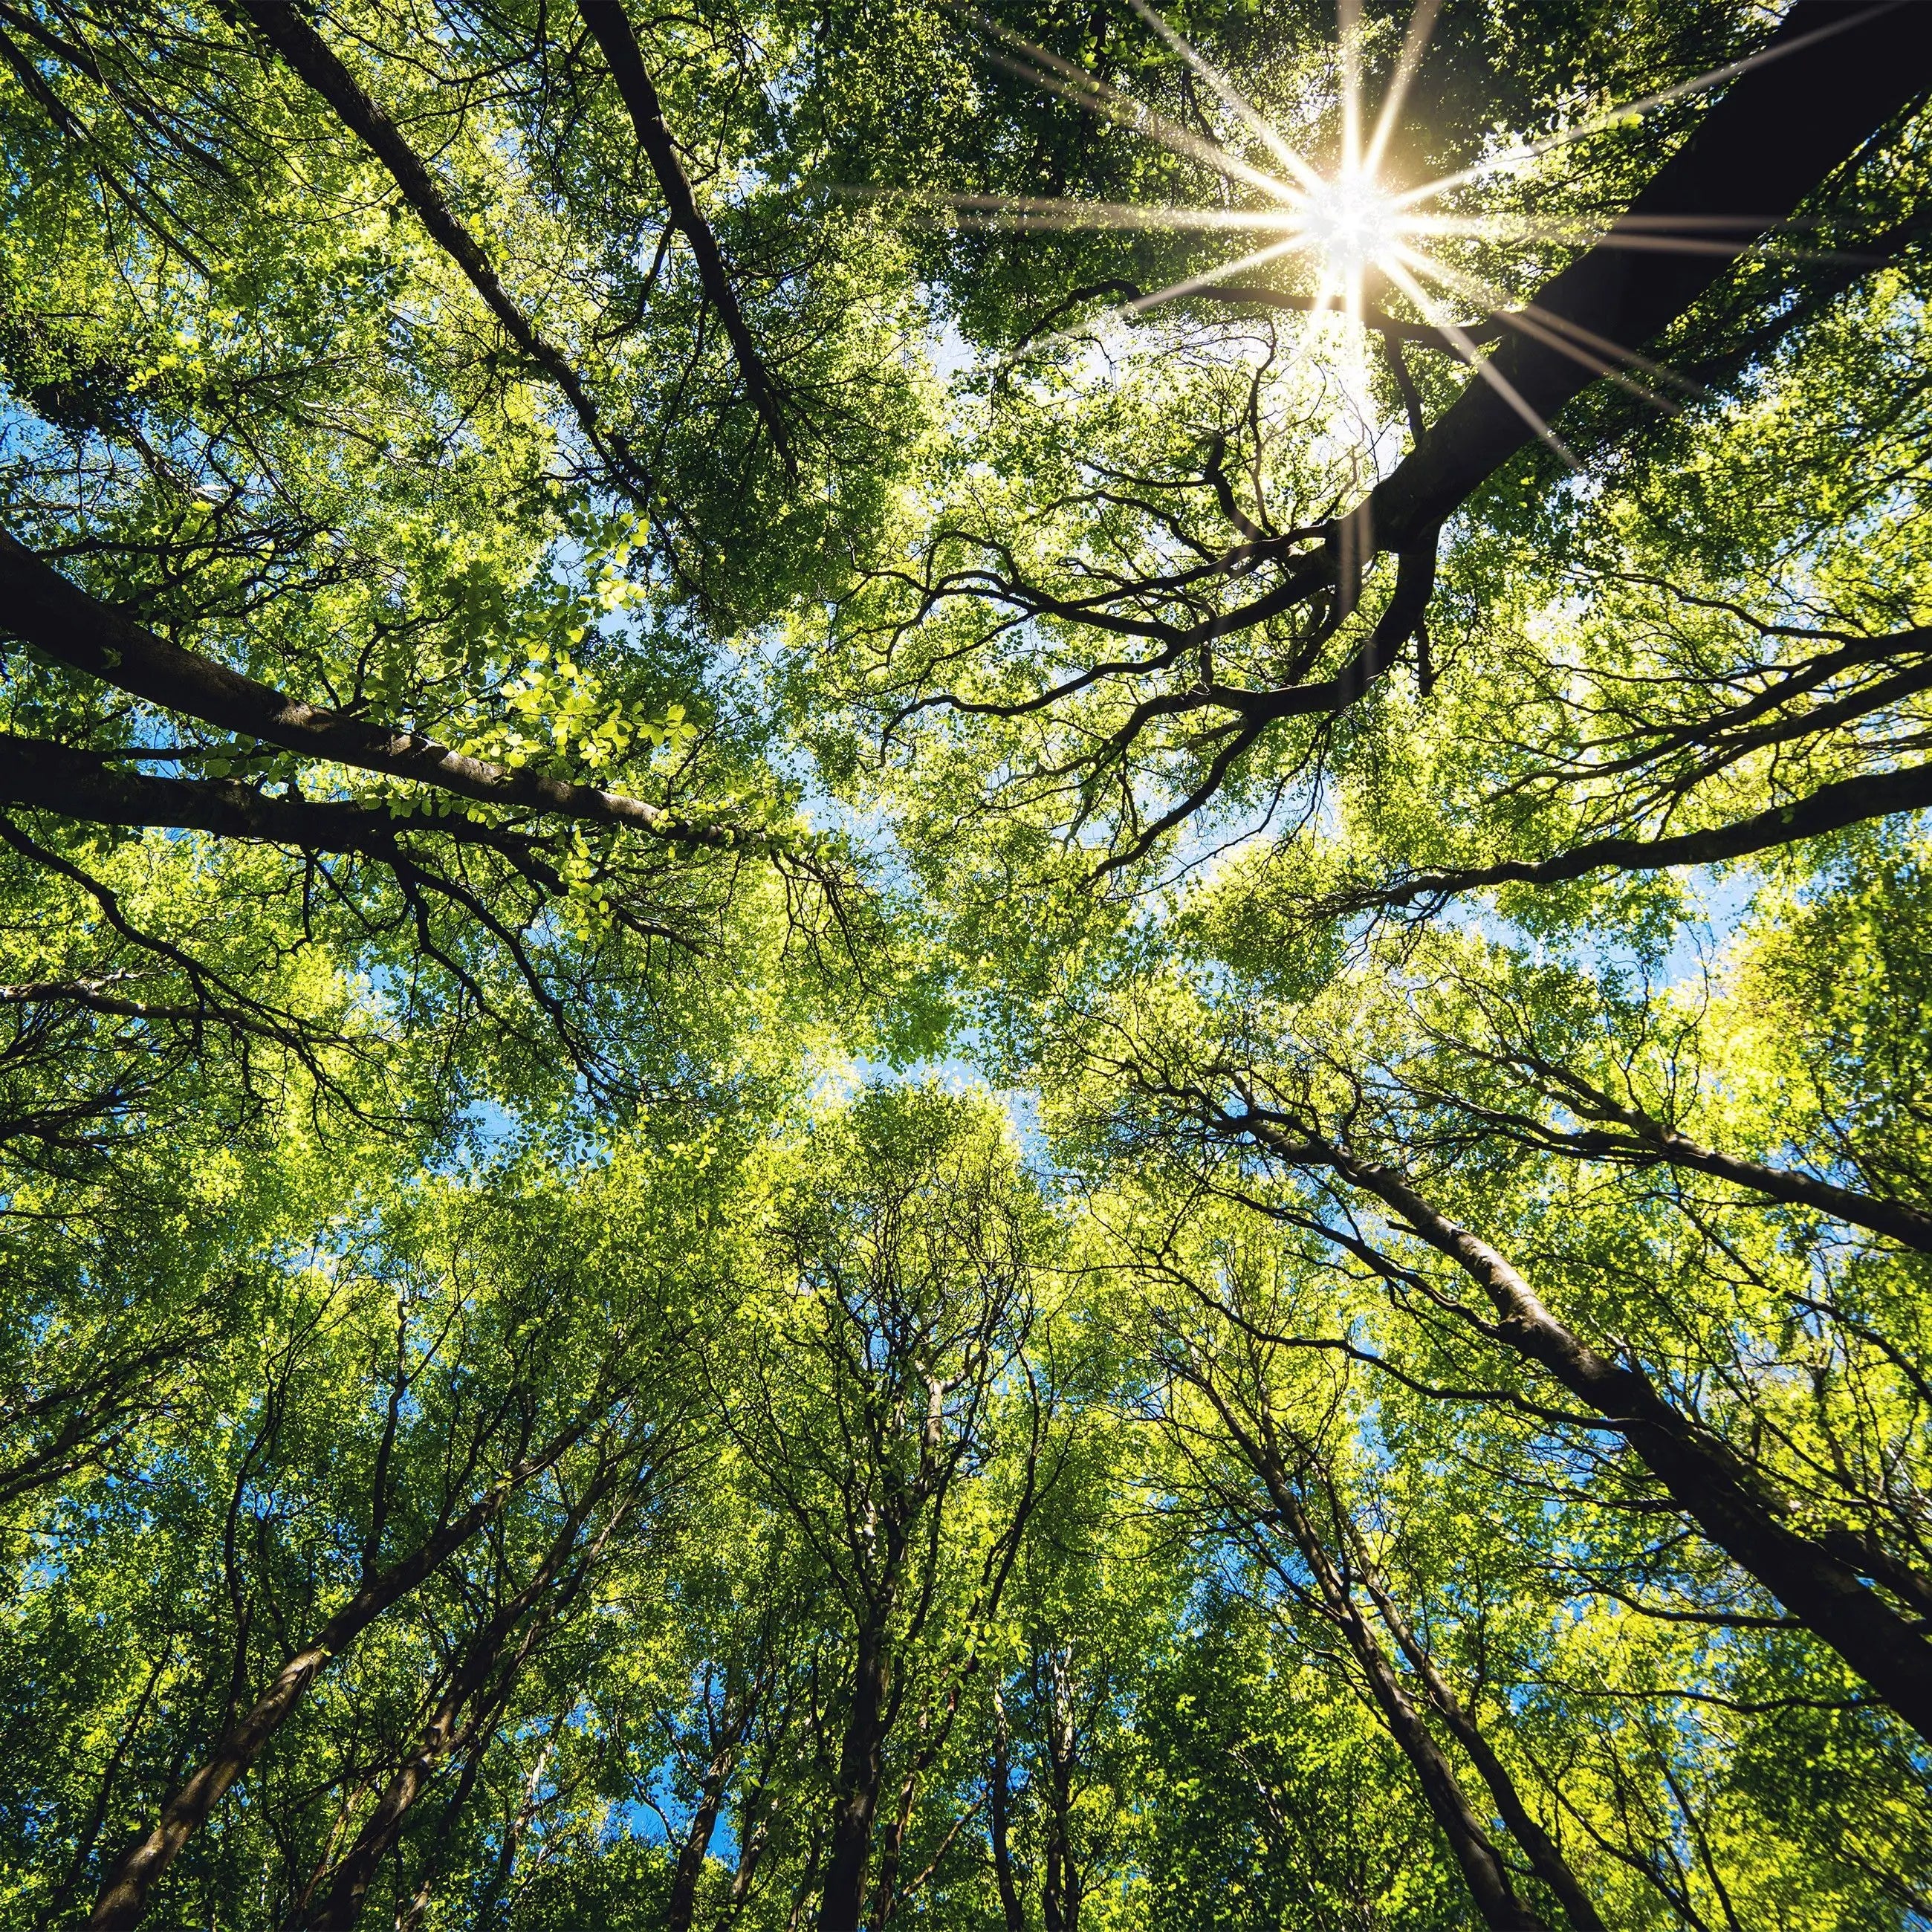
x: 1830, y: 808
x: 282, y: 25
x: 1482, y: 1867
x: 855, y: 1793
x: 124, y: 1893
x: 60, y: 620
x: 610, y: 28
x: 41, y: 776
x: 755, y: 1818
x: 696, y: 1845
x: 1780, y: 129
x: 1546, y: 1860
x: 470, y: 1685
x: 1702, y: 1475
x: 1061, y: 1888
x: 999, y: 1799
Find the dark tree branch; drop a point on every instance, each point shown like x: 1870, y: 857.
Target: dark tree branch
x: 45, y: 777
x: 285, y: 26
x: 1391, y: 328
x: 1781, y: 129
x: 1648, y: 1141
x: 62, y: 620
x: 1830, y: 807
x: 611, y: 29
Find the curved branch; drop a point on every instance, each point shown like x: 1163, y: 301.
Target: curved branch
x: 1830, y: 807
x: 1650, y: 1140
x: 64, y: 622
x: 612, y: 31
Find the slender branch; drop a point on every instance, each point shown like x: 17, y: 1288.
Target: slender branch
x: 611, y: 29
x: 1830, y: 807
x: 285, y: 27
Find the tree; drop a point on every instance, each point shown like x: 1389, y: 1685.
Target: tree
x: 965, y: 966
x: 886, y: 1399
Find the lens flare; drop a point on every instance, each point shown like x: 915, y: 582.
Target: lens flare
x: 1357, y: 230
x: 1353, y: 221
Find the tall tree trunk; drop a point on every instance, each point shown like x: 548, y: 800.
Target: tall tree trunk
x: 754, y: 1825
x: 1482, y: 1867
x: 886, y: 1888
x: 1060, y: 1890
x: 807, y: 1880
x: 123, y: 1896
x: 855, y: 1793
x: 1546, y: 1860
x: 999, y: 1799
x: 471, y: 1687
x: 696, y: 1845
x: 445, y: 1731
x: 283, y: 24
x: 1727, y: 1499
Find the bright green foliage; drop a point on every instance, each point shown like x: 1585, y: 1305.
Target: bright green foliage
x: 843, y: 1088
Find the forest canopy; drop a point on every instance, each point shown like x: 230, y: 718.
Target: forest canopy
x: 966, y: 966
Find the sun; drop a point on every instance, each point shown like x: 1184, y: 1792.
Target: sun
x: 1346, y: 218
x: 1353, y: 222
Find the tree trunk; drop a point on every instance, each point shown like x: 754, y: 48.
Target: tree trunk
x: 999, y: 1796
x: 1060, y: 1892
x: 855, y: 1794
x: 284, y: 25
x: 1546, y: 1860
x: 123, y: 1896
x: 1482, y: 1868
x: 1703, y: 1476
x: 470, y: 1686
x: 611, y: 30
x: 1779, y: 130
x: 696, y: 1845
x: 886, y: 1888
x: 755, y: 1826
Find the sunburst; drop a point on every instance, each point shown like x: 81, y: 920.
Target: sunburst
x: 1355, y: 226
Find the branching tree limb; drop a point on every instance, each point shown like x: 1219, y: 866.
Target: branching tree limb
x: 1832, y: 808
x: 1783, y: 128
x: 611, y: 29
x: 286, y: 28
x: 62, y: 620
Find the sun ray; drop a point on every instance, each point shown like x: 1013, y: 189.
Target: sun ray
x: 1398, y: 273
x: 1353, y: 224
x: 1022, y: 212
x: 1600, y: 356
x: 1208, y: 277
x: 1611, y: 117
x: 1348, y: 24
x: 1034, y: 63
x: 1421, y: 25
x: 1653, y: 236
x: 1509, y: 226
x: 1575, y: 330
x: 1231, y: 98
